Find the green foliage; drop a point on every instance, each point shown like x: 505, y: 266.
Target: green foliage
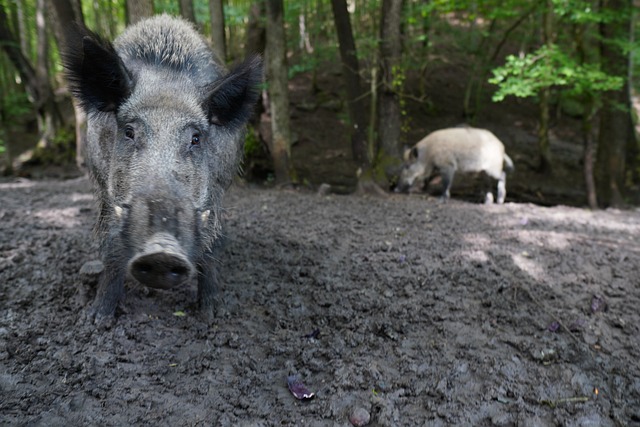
x: 13, y: 106
x: 525, y: 76
x: 252, y: 146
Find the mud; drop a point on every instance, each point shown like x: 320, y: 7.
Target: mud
x: 397, y: 311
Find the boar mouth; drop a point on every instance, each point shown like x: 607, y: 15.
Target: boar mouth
x: 162, y: 264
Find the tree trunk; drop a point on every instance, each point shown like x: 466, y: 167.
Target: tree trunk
x: 588, y: 158
x: 544, y: 146
x: 278, y: 92
x: 66, y: 14
x: 216, y: 12
x: 24, y: 33
x: 616, y: 128
x: 355, y: 95
x: 10, y: 45
x: 138, y: 9
x: 588, y: 154
x: 389, y: 123
x: 256, y: 32
x: 186, y: 10
x: 48, y: 115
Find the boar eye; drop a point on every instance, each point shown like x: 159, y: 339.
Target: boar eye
x: 195, y: 139
x: 129, y: 133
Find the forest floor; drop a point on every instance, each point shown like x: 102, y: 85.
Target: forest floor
x: 401, y: 310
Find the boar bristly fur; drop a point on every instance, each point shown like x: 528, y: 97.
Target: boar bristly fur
x: 461, y: 149
x: 165, y: 134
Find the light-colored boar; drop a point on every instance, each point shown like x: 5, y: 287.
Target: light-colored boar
x: 452, y: 150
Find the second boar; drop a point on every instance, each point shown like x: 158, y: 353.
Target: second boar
x: 451, y: 150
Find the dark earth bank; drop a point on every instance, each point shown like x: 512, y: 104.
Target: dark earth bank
x: 397, y: 311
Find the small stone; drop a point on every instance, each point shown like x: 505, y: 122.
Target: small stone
x: 360, y: 417
x: 91, y: 268
x: 324, y: 189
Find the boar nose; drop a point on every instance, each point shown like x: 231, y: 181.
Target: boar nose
x: 162, y: 264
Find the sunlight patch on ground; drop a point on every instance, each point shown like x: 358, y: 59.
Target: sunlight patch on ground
x: 64, y: 217
x: 81, y: 197
x: 529, y: 266
x: 478, y: 256
x: 15, y: 185
x: 546, y: 239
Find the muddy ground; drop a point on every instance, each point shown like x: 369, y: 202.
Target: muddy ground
x: 402, y: 310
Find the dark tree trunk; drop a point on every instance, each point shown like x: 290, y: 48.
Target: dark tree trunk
x: 69, y: 13
x: 48, y: 115
x: 588, y: 155
x: 256, y: 31
x: 389, y: 123
x: 616, y: 129
x: 216, y: 12
x: 36, y: 80
x: 11, y: 47
x: 353, y: 86
x: 277, y: 76
x: 138, y: 9
x: 544, y: 146
x: 186, y: 10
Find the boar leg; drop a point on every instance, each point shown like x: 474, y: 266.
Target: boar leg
x: 447, y: 173
x: 502, y: 187
x: 208, y: 287
x: 110, y: 291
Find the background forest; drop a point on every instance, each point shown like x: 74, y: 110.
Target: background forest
x: 353, y: 81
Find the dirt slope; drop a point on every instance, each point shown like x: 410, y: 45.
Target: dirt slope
x: 407, y: 310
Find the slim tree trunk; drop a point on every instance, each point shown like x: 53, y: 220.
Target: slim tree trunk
x: 24, y: 33
x: 138, y: 9
x: 67, y: 13
x: 588, y: 154
x: 256, y: 31
x: 9, y: 43
x: 390, y: 55
x: 216, y: 12
x: 616, y: 129
x: 186, y: 10
x: 355, y: 95
x: 49, y: 118
x: 278, y: 92
x: 544, y: 146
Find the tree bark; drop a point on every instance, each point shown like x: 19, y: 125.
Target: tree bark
x: 36, y: 80
x: 588, y: 154
x: 216, y: 12
x: 138, y: 9
x: 355, y: 94
x: 616, y: 128
x: 277, y: 76
x: 256, y: 31
x: 11, y: 47
x: 24, y: 33
x: 544, y: 146
x: 389, y: 123
x: 68, y: 13
x: 186, y: 10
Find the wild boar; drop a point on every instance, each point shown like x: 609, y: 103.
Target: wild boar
x: 165, y: 136
x: 463, y: 149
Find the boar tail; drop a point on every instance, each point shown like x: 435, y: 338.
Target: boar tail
x: 508, y: 163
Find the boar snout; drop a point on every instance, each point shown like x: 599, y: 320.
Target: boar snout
x: 162, y: 264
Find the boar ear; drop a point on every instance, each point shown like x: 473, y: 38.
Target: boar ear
x: 409, y: 154
x: 231, y: 99
x: 96, y: 75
